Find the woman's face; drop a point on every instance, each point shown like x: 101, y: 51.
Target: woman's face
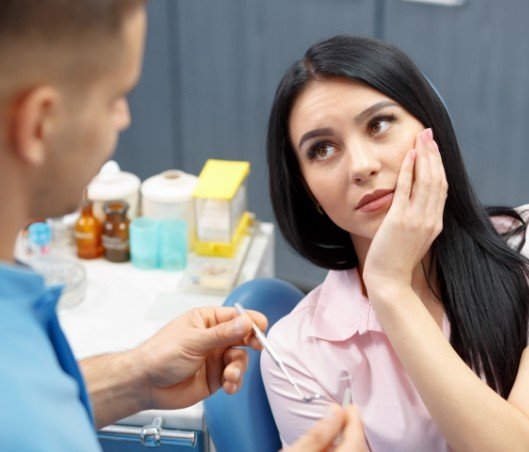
x: 350, y: 141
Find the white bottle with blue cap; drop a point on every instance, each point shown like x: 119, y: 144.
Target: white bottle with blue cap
x: 56, y: 269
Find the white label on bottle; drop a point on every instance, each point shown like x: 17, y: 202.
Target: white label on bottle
x: 84, y: 235
x: 114, y: 243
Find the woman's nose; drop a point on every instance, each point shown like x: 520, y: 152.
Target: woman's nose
x: 363, y: 162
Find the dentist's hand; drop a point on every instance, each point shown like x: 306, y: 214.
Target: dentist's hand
x: 413, y: 221
x: 193, y: 356
x: 340, y: 431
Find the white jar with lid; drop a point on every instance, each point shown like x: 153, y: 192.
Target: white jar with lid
x: 112, y: 184
x: 169, y: 195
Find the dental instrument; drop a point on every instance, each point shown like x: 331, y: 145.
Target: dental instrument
x: 264, y: 342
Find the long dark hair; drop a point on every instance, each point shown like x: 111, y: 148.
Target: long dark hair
x: 481, y: 280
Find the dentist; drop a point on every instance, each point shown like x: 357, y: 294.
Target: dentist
x: 66, y: 70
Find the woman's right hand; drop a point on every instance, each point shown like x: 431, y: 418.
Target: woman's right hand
x: 340, y: 431
x: 412, y: 223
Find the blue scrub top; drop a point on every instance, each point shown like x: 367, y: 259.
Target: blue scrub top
x: 44, y: 405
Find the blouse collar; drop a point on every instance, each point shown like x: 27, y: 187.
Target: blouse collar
x: 342, y: 310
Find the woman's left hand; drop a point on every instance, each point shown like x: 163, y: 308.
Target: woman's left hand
x: 413, y: 221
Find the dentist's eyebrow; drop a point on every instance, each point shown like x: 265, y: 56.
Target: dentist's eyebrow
x: 313, y: 134
x: 361, y: 117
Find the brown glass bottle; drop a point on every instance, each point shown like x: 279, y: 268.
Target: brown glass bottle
x: 88, y: 233
x: 116, y: 231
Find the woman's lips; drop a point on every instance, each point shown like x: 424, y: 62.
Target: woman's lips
x: 377, y: 204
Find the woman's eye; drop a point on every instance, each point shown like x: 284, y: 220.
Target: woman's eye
x: 380, y: 124
x: 321, y: 151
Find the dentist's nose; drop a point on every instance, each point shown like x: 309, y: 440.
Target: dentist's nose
x: 363, y: 162
x: 122, y: 115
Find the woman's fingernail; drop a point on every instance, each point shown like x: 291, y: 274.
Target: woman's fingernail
x: 237, y: 373
x: 430, y: 133
x: 425, y: 137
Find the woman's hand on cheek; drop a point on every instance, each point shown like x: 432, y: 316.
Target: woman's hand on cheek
x: 413, y: 221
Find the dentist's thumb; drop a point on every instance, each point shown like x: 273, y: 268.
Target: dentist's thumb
x: 226, y: 334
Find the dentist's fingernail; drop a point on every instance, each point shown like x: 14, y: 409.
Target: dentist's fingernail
x: 231, y: 388
x: 240, y: 324
x: 331, y: 412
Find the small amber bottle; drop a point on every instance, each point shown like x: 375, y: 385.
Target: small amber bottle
x: 116, y: 231
x: 88, y: 233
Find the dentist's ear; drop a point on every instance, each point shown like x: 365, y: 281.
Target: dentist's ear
x: 32, y: 123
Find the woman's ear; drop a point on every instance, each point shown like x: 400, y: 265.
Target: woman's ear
x: 32, y: 122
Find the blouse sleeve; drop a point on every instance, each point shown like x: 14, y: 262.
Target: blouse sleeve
x: 293, y: 417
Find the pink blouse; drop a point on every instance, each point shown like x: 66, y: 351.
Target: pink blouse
x: 332, y: 340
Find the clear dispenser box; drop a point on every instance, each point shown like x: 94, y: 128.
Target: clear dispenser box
x: 220, y: 207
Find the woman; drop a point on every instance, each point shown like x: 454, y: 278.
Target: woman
x: 424, y: 312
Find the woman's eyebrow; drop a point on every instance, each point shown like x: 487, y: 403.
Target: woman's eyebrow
x: 314, y: 133
x: 361, y: 117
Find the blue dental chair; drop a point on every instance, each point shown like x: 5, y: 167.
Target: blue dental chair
x: 244, y: 422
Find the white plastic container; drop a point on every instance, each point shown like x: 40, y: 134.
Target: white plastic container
x: 112, y: 184
x: 169, y: 195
